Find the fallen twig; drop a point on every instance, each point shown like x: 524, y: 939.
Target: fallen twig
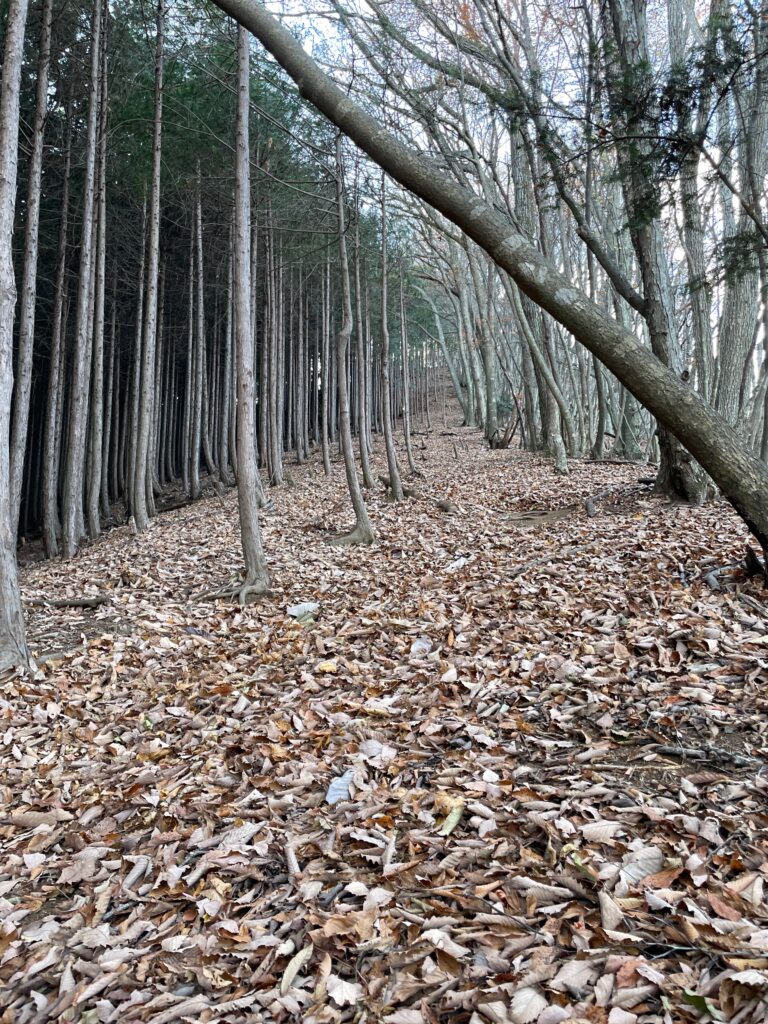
x: 68, y: 602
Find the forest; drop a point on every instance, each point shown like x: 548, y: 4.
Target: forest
x: 384, y: 511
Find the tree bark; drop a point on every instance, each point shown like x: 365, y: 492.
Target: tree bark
x: 23, y: 379
x: 72, y: 500
x: 149, y: 341
x: 96, y: 425
x: 13, y: 645
x: 363, y: 532
x: 395, y: 482
x: 54, y: 397
x: 256, y: 574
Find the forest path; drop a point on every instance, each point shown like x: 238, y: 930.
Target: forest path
x: 550, y: 740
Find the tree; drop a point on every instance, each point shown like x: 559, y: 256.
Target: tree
x: 23, y: 380
x: 13, y: 646
x: 140, y: 482
x: 72, y: 504
x: 256, y: 579
x: 742, y: 477
x: 363, y: 532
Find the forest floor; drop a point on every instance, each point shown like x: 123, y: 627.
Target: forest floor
x: 511, y: 769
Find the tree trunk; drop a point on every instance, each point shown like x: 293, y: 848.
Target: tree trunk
x: 149, y: 341
x: 72, y: 499
x: 197, y: 327
x: 395, y: 482
x: 325, y: 359
x: 55, y: 394
x: 96, y: 424
x: 256, y: 575
x: 363, y: 532
x: 109, y: 404
x: 405, y: 354
x: 13, y: 645
x: 363, y: 412
x: 226, y: 378
x: 23, y: 380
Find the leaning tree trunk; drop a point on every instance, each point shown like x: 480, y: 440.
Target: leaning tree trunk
x: 139, y: 483
x: 72, y: 502
x: 248, y: 486
x: 363, y: 532
x: 13, y: 646
x: 23, y: 381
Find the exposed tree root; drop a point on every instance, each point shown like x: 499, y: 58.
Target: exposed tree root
x: 755, y: 566
x: 242, y: 591
x: 356, y: 536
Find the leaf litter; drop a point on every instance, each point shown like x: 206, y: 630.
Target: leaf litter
x: 508, y: 775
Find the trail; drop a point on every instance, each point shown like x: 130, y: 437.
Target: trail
x: 549, y: 746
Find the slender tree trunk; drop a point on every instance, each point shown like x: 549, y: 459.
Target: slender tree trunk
x: 96, y: 424
x: 256, y: 575
x: 109, y: 403
x: 54, y: 397
x: 395, y: 483
x: 23, y: 378
x: 301, y: 378
x: 362, y: 361
x: 13, y: 646
x: 149, y: 340
x: 198, y: 327
x: 326, y: 366
x: 405, y: 355
x: 132, y: 441
x: 226, y: 377
x: 363, y: 532
x: 186, y: 439
x: 72, y: 499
